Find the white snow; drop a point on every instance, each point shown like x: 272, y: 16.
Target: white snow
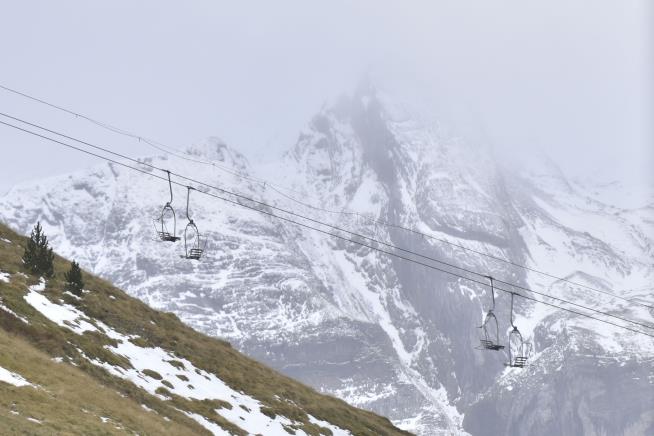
x: 4, y: 277
x: 146, y: 408
x: 70, y: 294
x: 39, y: 287
x: 408, y: 424
x: 6, y: 241
x: 336, y: 431
x: 63, y: 315
x: 352, y: 395
x: 204, y: 422
x: 13, y: 378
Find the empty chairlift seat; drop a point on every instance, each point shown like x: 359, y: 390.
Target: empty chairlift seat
x: 167, y: 219
x: 519, y: 350
x: 490, y: 333
x: 193, y: 244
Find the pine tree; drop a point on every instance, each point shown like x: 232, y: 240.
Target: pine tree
x: 38, y: 257
x: 30, y: 256
x: 47, y: 261
x: 74, y: 282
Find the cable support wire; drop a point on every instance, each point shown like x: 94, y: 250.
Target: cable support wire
x: 338, y: 236
x: 514, y: 285
x: 305, y: 217
x: 355, y: 234
x: 276, y: 188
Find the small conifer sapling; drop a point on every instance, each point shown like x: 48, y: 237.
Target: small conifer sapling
x: 74, y: 282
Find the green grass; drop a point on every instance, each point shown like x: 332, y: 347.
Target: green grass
x: 154, y: 374
x: 280, y: 395
x: 68, y: 400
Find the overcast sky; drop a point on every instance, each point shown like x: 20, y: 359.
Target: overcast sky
x: 571, y: 77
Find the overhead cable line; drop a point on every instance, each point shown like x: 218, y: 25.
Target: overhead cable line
x: 355, y: 234
x: 182, y: 155
x: 390, y: 253
x: 151, y: 142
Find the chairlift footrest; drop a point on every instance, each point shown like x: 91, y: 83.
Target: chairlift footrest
x: 490, y: 345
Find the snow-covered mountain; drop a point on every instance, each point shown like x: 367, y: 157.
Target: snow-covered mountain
x: 379, y: 332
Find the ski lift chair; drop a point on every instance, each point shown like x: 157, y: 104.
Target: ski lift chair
x: 519, y: 350
x: 490, y: 333
x: 193, y: 247
x: 166, y: 218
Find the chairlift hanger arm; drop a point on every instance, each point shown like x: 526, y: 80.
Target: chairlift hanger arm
x: 512, y: 325
x: 492, y: 291
x: 170, y: 186
x: 188, y: 196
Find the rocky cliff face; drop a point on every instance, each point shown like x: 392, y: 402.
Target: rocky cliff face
x: 377, y: 331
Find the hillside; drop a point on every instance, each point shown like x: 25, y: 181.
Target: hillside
x: 106, y: 363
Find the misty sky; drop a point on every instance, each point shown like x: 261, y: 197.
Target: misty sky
x: 569, y: 77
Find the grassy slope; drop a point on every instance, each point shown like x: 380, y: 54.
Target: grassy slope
x: 66, y: 389
x: 68, y: 400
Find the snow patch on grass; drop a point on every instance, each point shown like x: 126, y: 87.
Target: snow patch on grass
x: 184, y: 380
x: 70, y: 294
x: 204, y: 422
x: 40, y: 287
x: 336, y: 431
x: 13, y: 378
x: 11, y: 312
x: 4, y: 277
x: 205, y: 386
x: 61, y: 314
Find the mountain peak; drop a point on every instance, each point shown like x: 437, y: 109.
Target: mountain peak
x: 212, y: 148
x: 216, y: 149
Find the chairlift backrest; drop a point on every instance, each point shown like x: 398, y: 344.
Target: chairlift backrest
x: 518, y: 348
x: 490, y: 333
x: 192, y: 242
x: 167, y: 215
x: 192, y: 239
